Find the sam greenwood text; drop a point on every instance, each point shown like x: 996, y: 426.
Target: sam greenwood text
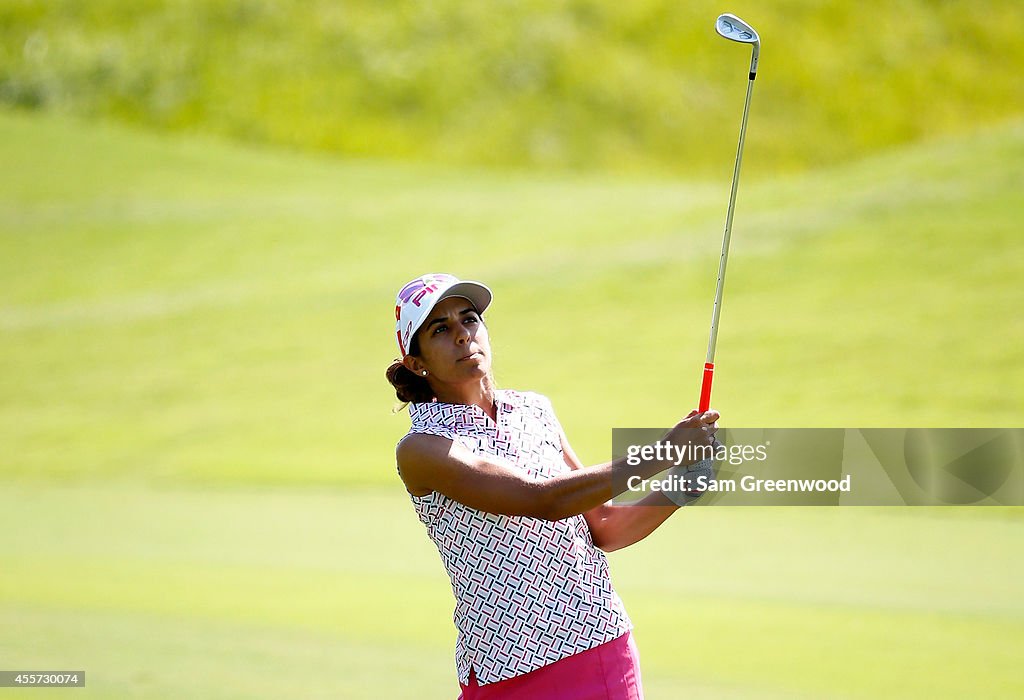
x: 680, y: 482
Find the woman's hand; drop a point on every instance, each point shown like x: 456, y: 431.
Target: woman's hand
x: 697, y: 429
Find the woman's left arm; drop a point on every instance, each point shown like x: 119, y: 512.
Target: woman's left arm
x: 614, y: 527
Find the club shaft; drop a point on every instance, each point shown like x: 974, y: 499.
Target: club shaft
x: 717, y: 311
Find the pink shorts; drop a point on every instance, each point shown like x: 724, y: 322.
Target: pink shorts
x: 610, y: 671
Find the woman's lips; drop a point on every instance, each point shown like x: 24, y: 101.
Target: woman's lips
x: 469, y: 356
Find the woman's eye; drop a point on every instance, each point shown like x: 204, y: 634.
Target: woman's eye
x: 471, y: 319
x: 440, y: 329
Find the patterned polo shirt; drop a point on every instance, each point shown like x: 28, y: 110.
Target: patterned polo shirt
x: 528, y: 592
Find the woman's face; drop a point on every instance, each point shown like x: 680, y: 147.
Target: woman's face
x: 454, y: 347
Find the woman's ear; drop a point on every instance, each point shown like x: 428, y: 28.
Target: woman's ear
x: 414, y: 365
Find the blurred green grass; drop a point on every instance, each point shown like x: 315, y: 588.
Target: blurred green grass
x: 231, y: 593
x: 592, y: 84
x: 197, y: 487
x: 184, y: 309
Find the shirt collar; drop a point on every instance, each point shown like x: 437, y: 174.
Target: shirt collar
x: 457, y: 415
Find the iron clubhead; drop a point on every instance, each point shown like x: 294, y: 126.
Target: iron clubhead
x: 733, y: 28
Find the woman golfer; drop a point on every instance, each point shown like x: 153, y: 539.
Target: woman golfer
x: 519, y: 522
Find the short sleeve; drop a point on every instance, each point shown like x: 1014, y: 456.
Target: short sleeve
x: 430, y: 502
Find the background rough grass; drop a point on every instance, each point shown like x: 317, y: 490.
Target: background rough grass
x: 575, y: 83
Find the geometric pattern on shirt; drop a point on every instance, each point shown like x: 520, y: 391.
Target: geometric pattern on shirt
x: 528, y: 592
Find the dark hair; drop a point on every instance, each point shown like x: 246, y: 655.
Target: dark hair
x: 409, y: 386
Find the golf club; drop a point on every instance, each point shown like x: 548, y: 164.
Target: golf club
x: 732, y: 28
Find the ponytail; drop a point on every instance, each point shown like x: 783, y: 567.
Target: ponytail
x: 409, y: 387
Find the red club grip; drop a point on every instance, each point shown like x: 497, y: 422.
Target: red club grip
x: 705, y: 387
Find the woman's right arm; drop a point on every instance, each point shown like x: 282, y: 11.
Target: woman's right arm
x: 431, y: 463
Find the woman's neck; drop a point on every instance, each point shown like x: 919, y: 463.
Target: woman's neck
x: 479, y: 394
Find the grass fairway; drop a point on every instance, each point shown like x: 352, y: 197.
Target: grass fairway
x: 188, y: 310
x: 197, y: 490
x: 243, y: 593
